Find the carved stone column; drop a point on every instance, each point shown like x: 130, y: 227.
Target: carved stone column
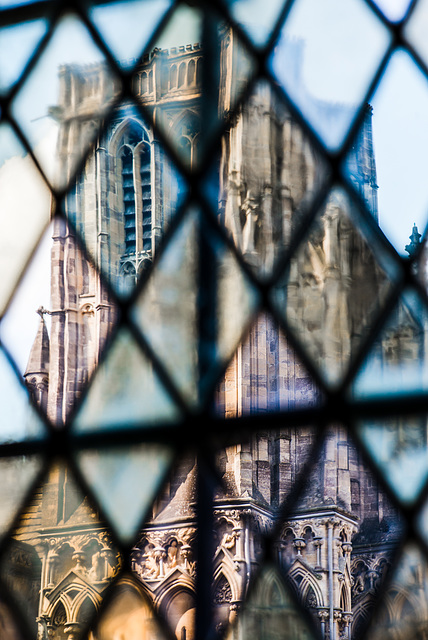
x: 300, y: 544
x: 136, y: 556
x: 323, y: 616
x: 234, y: 608
x: 108, y: 556
x: 73, y: 630
x: 52, y: 562
x: 318, y: 542
x: 346, y: 620
x: 186, y: 552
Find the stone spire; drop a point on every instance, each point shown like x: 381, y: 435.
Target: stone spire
x: 37, y: 372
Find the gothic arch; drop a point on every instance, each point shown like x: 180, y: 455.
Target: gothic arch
x: 144, y: 83
x: 143, y: 266
x: 302, y: 580
x: 92, y: 543
x: 403, y: 605
x: 65, y: 561
x: 345, y: 600
x: 269, y: 591
x: 186, y: 129
x: 222, y: 589
x: 59, y: 620
x: 138, y: 588
x: 130, y: 147
x: 64, y: 600
x: 127, y: 123
x: 191, y: 73
x: 178, y: 606
x: 85, y: 598
x: 180, y: 584
x: 362, y: 614
x: 173, y: 77
x: 287, y: 546
x: 86, y: 611
x: 343, y: 535
x: 229, y: 574
x: 181, y: 75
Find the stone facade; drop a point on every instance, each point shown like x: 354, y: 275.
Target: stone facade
x: 122, y: 204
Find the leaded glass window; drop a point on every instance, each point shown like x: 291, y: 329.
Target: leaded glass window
x: 215, y: 424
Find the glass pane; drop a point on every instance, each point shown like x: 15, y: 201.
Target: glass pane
x: 8, y: 628
x: 24, y: 212
x: 125, y: 392
x: 129, y: 614
x: 421, y: 266
x: 127, y: 26
x: 179, y: 64
x: 167, y: 310
x: 139, y: 191
x: 17, y: 44
x: 405, y: 603
x: 395, y: 364
x: 340, y: 536
x: 265, y: 180
x: 270, y: 612
x: 415, y: 28
x: 334, y: 287
x: 258, y: 19
x: 15, y: 3
x: 399, y: 448
x: 398, y: 132
x: 18, y: 419
x: 17, y: 475
x: 125, y: 481
x: 395, y: 10
x: 265, y: 374
x: 422, y: 521
x: 54, y: 94
x: 24, y: 325
x: 60, y: 558
x: 164, y: 559
x: 76, y: 316
x: 264, y: 470
x: 236, y: 298
x: 326, y: 58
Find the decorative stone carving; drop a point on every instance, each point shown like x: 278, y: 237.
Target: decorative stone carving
x: 79, y: 558
x: 172, y: 554
x: 229, y: 540
x: 300, y: 544
x: 59, y: 617
x: 323, y: 614
x: 223, y: 592
x: 42, y: 629
x: 97, y: 570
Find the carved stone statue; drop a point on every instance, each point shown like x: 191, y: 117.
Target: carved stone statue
x: 97, y: 570
x: 172, y: 554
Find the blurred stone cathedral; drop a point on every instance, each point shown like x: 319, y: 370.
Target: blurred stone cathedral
x: 336, y: 546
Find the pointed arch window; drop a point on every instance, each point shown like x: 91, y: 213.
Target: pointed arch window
x: 188, y: 129
x: 134, y: 156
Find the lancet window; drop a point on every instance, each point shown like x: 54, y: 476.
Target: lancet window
x: 134, y: 157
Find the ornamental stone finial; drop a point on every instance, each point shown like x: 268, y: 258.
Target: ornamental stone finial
x: 42, y: 311
x: 415, y: 240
